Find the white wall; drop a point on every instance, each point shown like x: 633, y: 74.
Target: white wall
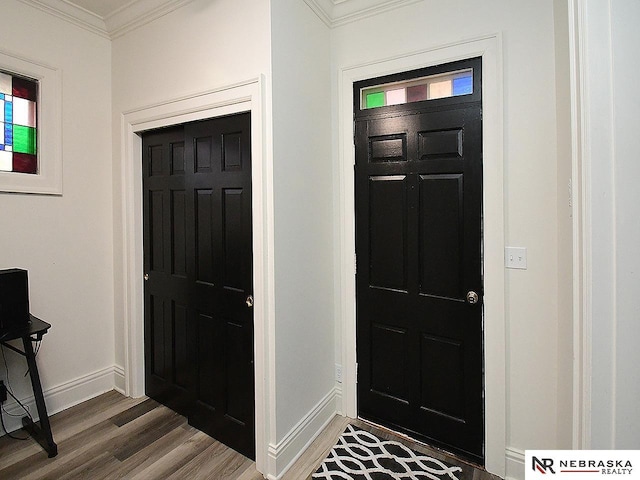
x: 531, y: 182
x: 565, y: 230
x: 178, y: 68
x: 72, y: 245
x: 600, y: 220
x: 611, y: 103
x: 626, y: 105
x: 206, y: 45
x: 303, y: 202
x: 66, y: 242
x: 197, y: 48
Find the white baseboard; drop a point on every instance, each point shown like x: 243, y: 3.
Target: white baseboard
x: 515, y: 464
x: 63, y: 396
x: 338, y: 393
x: 282, y: 455
x: 119, y: 383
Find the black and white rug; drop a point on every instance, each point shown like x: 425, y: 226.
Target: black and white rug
x: 361, y: 455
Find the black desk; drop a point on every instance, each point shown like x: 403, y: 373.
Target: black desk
x: 32, y: 333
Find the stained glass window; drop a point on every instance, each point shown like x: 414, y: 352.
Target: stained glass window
x: 18, y: 126
x: 443, y: 85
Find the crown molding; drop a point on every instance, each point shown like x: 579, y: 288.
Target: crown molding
x: 71, y: 13
x: 339, y: 12
x: 323, y: 9
x: 138, y: 13
x: 128, y: 18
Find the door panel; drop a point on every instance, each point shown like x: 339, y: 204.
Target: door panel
x: 441, y: 232
x: 198, y: 256
x: 388, y: 232
x: 440, y: 143
x: 204, y: 209
x: 167, y: 366
x: 388, y: 375
x: 418, y: 243
x: 181, y: 344
x: 442, y: 386
x: 232, y: 263
x: 179, y: 233
x: 225, y: 371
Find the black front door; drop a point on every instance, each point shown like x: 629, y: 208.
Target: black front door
x: 418, y: 242
x: 198, y: 272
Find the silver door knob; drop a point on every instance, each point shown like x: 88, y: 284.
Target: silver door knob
x: 249, y: 301
x: 146, y: 277
x: 472, y: 298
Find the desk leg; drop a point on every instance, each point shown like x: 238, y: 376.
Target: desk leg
x: 40, y: 433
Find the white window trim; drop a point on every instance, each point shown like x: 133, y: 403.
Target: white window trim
x: 48, y: 180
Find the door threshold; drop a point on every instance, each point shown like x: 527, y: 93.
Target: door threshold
x: 412, y: 443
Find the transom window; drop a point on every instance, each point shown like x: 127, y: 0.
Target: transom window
x: 450, y: 84
x: 18, y: 126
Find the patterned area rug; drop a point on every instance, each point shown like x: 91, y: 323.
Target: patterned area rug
x: 360, y: 455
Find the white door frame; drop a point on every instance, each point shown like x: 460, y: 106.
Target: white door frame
x: 490, y: 49
x: 241, y: 97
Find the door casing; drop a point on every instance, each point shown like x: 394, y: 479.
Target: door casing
x: 241, y: 97
x: 489, y: 48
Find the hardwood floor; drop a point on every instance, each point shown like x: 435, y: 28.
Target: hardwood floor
x: 115, y: 437
x: 112, y: 436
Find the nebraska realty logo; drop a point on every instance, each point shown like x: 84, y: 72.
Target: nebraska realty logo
x: 581, y: 464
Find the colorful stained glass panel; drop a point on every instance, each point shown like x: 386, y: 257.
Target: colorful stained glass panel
x: 375, y: 99
x: 8, y: 135
x: 397, y: 96
x: 24, y: 88
x: 24, y: 139
x: 442, y: 85
x: 6, y: 161
x: 463, y: 85
x: 8, y: 110
x: 24, y: 112
x: 25, y: 163
x: 440, y: 89
x: 6, y: 85
x: 18, y: 124
x: 417, y: 93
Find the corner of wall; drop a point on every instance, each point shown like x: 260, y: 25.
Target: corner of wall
x: 119, y: 381
x: 514, y: 459
x: 282, y: 456
x: 566, y: 254
x: 66, y: 395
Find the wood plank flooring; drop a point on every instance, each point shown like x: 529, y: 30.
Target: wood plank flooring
x: 115, y: 437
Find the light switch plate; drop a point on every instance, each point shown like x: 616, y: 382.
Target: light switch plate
x: 515, y: 257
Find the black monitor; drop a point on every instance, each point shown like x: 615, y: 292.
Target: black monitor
x: 14, y: 298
